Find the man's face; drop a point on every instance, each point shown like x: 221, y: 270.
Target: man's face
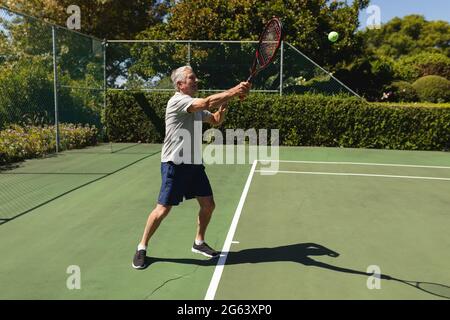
x: 189, y: 85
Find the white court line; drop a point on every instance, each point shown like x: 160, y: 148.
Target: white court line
x: 226, y: 247
x: 360, y: 163
x: 355, y: 174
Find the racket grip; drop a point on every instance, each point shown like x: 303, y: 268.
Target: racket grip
x: 249, y: 79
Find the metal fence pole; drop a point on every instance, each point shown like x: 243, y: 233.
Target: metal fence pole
x: 105, y: 45
x: 281, y: 67
x: 189, y: 54
x: 105, y: 88
x: 55, y: 86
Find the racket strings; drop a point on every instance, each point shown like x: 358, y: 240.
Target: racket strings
x: 269, y: 43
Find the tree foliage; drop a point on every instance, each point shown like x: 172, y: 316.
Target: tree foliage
x: 306, y: 26
x: 105, y: 19
x: 306, y: 23
x: 409, y: 35
x: 369, y: 61
x: 403, y: 49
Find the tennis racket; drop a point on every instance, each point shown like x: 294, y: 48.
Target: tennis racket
x: 269, y: 43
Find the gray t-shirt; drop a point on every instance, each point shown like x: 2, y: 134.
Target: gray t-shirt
x: 183, y: 140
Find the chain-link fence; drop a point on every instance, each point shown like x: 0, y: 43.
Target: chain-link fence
x: 147, y: 65
x: 52, y: 78
x: 80, y: 78
x: 48, y: 75
x: 26, y: 71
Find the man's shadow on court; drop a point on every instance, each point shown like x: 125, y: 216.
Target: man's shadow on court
x: 300, y: 253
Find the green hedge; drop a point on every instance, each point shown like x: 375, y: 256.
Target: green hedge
x: 135, y: 116
x: 303, y: 120
x: 19, y: 143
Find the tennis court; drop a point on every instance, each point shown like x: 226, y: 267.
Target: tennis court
x: 308, y: 232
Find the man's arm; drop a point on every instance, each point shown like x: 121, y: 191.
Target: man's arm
x: 219, y: 99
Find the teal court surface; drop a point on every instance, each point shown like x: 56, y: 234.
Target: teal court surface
x: 320, y: 223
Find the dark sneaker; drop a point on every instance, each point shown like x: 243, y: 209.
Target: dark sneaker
x: 139, y: 259
x: 205, y: 250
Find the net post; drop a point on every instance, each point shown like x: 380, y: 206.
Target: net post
x: 55, y: 86
x: 281, y: 67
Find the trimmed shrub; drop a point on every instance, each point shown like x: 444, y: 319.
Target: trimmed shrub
x: 433, y: 89
x: 19, y: 143
x: 402, y: 91
x: 412, y: 67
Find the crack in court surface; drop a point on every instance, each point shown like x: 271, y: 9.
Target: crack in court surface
x: 170, y: 280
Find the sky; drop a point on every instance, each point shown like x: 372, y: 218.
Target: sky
x: 431, y: 9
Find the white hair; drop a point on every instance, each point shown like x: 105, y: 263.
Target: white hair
x: 179, y: 75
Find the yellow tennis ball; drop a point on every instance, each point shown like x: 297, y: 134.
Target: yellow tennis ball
x: 333, y: 36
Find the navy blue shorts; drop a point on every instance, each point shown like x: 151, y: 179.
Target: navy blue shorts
x: 182, y: 180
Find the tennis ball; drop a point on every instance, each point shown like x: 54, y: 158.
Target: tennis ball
x: 333, y: 36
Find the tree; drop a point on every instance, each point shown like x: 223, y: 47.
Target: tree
x: 409, y: 35
x: 105, y: 19
x: 307, y: 23
x: 402, y: 49
x: 368, y: 76
x: 26, y: 66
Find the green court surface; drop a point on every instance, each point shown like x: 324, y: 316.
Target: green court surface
x: 317, y: 229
